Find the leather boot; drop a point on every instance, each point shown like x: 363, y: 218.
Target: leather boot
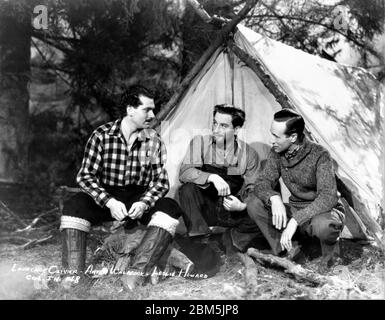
x: 73, y: 254
x: 150, y: 250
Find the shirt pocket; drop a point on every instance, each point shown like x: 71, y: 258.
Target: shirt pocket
x: 144, y: 157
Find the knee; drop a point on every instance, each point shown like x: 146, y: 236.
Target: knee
x: 76, y: 205
x: 187, y: 189
x: 256, y: 208
x: 81, y: 207
x: 169, y: 206
x: 325, y: 229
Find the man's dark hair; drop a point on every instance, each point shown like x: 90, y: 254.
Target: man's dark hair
x: 130, y: 97
x: 237, y: 115
x: 294, y: 122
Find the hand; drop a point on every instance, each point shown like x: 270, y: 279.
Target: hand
x: 232, y: 203
x: 117, y: 208
x: 137, y: 209
x: 220, y: 184
x: 288, y: 234
x: 279, y: 212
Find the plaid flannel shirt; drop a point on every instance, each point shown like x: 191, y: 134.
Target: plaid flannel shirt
x: 107, y: 161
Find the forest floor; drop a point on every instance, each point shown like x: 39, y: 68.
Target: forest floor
x: 23, y: 261
x: 362, y: 269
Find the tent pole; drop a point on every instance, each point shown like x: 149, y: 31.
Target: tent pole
x: 275, y: 89
x: 202, y: 61
x: 263, y: 74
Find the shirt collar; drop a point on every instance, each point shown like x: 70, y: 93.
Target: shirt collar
x: 116, y: 130
x: 292, y: 153
x: 304, y: 149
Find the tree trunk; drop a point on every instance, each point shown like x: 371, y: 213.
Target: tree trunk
x: 15, y: 39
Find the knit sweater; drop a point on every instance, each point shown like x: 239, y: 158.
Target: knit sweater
x: 309, y: 176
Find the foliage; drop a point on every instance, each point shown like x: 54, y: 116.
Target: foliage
x: 314, y: 26
x: 197, y: 34
x: 55, y: 151
x: 108, y: 45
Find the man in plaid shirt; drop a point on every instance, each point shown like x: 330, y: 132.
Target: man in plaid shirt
x: 123, y: 178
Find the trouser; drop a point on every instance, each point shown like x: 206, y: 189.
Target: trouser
x: 202, y: 208
x: 81, y: 211
x: 327, y: 226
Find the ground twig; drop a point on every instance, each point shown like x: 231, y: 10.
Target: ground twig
x: 251, y: 272
x: 14, y: 239
x: 294, y: 269
x: 37, y: 219
x: 35, y: 242
x: 5, y: 208
x: 303, y: 274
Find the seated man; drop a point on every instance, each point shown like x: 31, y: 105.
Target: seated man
x: 123, y: 178
x: 218, y: 172
x: 306, y: 168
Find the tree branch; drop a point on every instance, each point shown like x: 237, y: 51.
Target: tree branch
x: 56, y: 38
x: 201, y: 62
x: 55, y: 68
x: 200, y: 10
x: 279, y: 18
x: 4, y: 207
x: 318, y: 23
x: 51, y: 43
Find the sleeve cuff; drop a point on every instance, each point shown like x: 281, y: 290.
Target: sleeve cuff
x: 268, y: 195
x: 102, y: 199
x: 301, y: 217
x: 147, y: 201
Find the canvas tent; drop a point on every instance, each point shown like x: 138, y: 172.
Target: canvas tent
x: 343, y: 108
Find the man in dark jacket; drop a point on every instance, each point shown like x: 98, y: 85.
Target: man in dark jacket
x: 306, y: 168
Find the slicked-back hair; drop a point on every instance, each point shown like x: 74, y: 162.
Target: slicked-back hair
x: 294, y: 122
x: 131, y: 97
x: 238, y: 116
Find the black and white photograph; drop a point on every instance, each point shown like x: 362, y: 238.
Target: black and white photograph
x: 202, y: 151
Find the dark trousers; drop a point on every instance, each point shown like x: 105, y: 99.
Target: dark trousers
x: 202, y: 208
x: 83, y: 206
x: 327, y: 226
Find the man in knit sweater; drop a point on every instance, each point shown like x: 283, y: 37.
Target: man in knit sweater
x: 314, y: 209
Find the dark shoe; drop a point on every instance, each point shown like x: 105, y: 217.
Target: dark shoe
x: 241, y: 240
x: 295, y: 254
x: 330, y: 256
x: 148, y: 253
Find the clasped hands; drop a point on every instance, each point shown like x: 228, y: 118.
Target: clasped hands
x: 279, y: 217
x: 119, y: 211
x: 230, y: 202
